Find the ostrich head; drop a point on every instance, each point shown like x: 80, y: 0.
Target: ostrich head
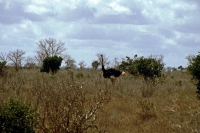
x: 123, y: 73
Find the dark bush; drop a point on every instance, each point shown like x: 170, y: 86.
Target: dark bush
x: 148, y: 67
x: 17, y: 117
x: 51, y: 64
x: 194, y: 69
x: 2, y: 66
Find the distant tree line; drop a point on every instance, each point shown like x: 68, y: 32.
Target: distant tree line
x: 50, y: 50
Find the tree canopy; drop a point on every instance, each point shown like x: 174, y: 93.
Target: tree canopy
x: 2, y: 65
x: 194, y: 69
x: 49, y: 48
x: 16, y: 58
x: 95, y: 64
x: 148, y: 67
x: 51, y: 64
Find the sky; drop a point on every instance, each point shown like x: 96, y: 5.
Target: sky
x: 116, y: 28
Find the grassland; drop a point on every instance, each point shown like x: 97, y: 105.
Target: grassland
x: 85, y: 97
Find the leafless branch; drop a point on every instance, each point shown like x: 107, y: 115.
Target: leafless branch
x: 3, y: 57
x: 49, y: 47
x: 16, y: 58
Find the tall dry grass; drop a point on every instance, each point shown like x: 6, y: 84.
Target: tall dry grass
x: 82, y: 100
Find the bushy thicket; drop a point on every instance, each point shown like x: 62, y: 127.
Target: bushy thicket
x: 148, y: 67
x: 66, y: 102
x: 51, y: 64
x: 17, y: 117
x: 2, y: 66
x: 194, y: 69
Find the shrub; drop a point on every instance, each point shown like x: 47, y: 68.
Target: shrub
x: 148, y: 67
x: 95, y: 64
x: 51, y: 64
x: 71, y: 110
x: 194, y: 69
x: 2, y: 66
x: 148, y: 111
x: 17, y: 117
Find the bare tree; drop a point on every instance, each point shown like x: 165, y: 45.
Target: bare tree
x: 3, y: 57
x: 159, y: 58
x: 105, y: 59
x: 16, y: 58
x: 70, y: 63
x: 40, y: 57
x: 190, y: 58
x: 49, y: 48
x: 116, y: 62
x: 30, y: 63
x: 82, y: 64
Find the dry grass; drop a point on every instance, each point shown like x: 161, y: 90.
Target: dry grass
x: 130, y: 106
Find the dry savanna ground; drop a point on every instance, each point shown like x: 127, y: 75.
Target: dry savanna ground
x: 86, y: 99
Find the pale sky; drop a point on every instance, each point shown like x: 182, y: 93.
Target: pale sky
x: 116, y: 28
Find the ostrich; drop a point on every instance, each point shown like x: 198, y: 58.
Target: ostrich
x: 111, y: 73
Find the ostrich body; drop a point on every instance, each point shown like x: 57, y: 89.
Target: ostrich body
x: 111, y: 73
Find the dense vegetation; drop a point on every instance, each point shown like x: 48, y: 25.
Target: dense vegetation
x: 2, y: 66
x: 83, y: 101
x: 51, y: 64
x: 17, y: 117
x: 194, y: 69
x: 149, y: 68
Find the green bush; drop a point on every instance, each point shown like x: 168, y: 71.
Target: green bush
x: 194, y: 69
x: 51, y: 64
x: 2, y: 66
x: 17, y: 117
x: 95, y: 64
x: 148, y: 67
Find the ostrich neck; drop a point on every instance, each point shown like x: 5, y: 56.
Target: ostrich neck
x: 102, y: 64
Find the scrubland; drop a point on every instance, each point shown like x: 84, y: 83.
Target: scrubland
x: 83, y: 101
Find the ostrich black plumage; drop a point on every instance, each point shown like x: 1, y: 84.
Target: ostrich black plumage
x: 111, y: 73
